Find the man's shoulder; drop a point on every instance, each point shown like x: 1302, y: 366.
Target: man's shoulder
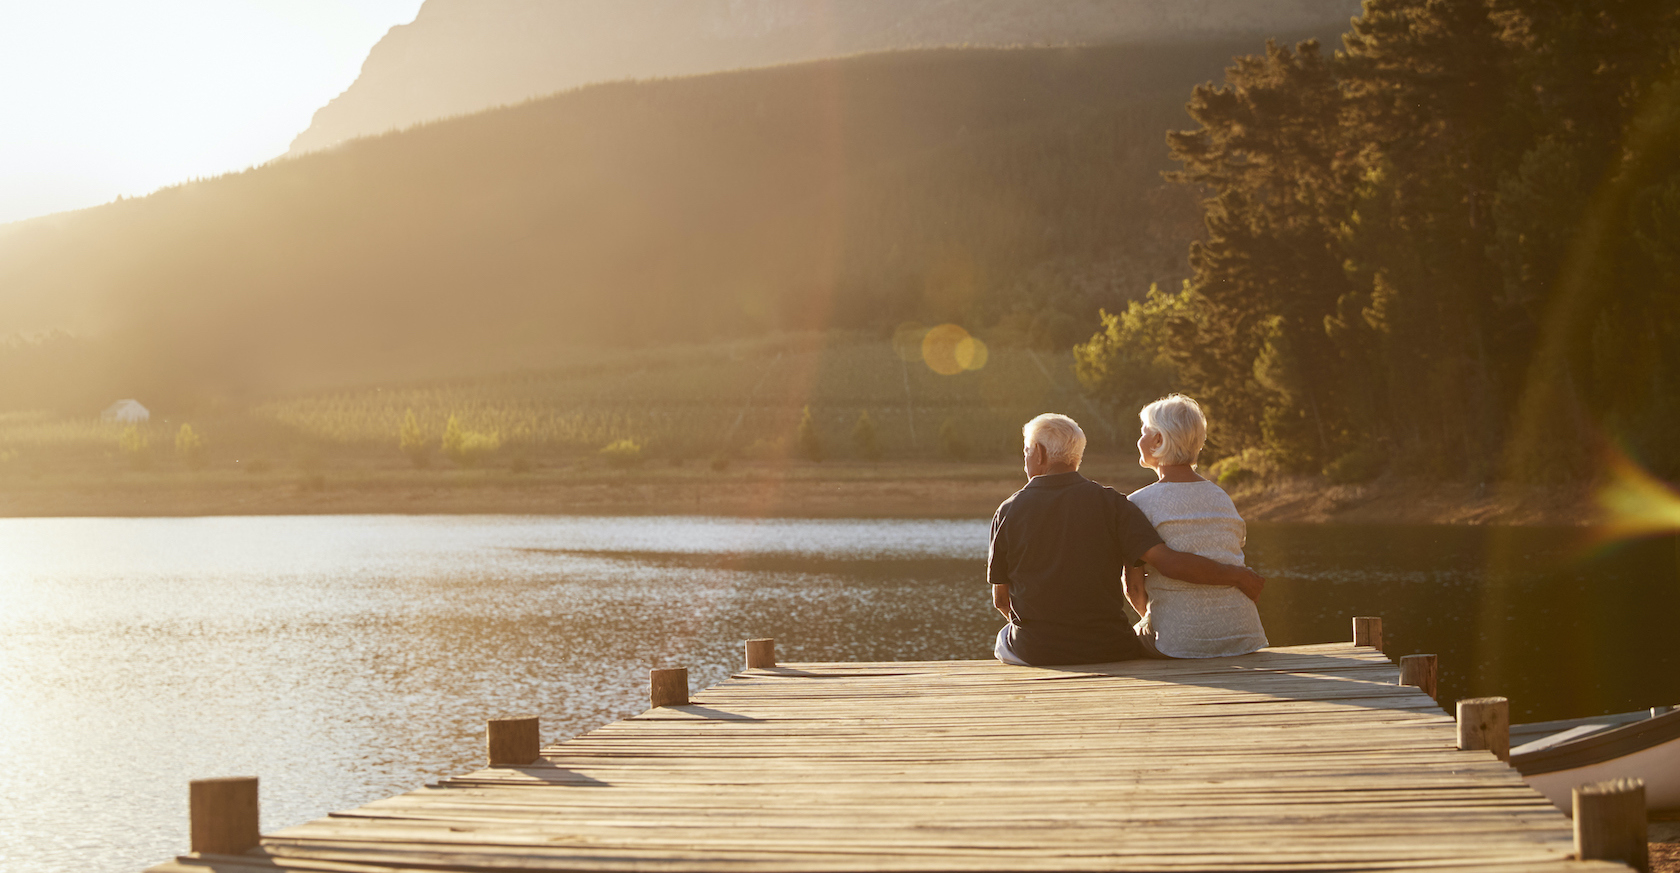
x: 1119, y: 503
x: 1011, y: 500
x: 1086, y: 489
x: 1108, y: 490
x: 1099, y: 491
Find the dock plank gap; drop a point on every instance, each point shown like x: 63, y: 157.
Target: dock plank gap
x: 1296, y: 758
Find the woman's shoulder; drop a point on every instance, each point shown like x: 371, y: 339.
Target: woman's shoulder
x: 1201, y: 493
x: 1193, y: 489
x: 1144, y: 491
x: 1212, y: 493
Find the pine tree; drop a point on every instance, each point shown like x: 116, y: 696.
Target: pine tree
x: 189, y: 447
x: 135, y: 448
x: 1273, y: 151
x: 412, y: 441
x: 864, y: 437
x: 951, y: 441
x: 810, y: 444
x: 454, y: 440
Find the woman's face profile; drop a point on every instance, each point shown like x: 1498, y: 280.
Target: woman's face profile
x: 1147, y: 444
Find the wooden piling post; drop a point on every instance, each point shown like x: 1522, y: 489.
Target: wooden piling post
x: 512, y: 742
x: 1485, y: 723
x: 761, y: 653
x: 668, y: 687
x: 1610, y: 823
x: 1367, y: 631
x: 1418, y: 670
x: 223, y: 814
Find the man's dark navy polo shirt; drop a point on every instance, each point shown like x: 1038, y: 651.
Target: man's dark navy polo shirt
x: 1062, y: 544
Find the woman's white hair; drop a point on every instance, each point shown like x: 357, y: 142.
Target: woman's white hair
x: 1182, y: 427
x: 1063, y: 441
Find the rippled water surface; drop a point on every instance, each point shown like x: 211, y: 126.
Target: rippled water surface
x: 343, y: 659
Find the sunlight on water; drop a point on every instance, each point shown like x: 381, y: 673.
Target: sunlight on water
x: 345, y: 659
x: 350, y: 658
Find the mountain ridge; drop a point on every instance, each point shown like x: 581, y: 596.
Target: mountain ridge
x: 462, y: 56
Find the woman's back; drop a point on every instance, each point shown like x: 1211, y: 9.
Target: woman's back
x: 1197, y: 621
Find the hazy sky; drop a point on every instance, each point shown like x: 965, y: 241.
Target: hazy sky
x: 106, y: 97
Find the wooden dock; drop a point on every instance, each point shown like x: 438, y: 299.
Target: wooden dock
x: 1300, y: 758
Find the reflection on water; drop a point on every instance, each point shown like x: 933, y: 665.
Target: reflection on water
x: 342, y: 659
x: 1562, y: 627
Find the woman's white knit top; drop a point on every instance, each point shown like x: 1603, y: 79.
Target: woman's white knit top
x: 1197, y: 621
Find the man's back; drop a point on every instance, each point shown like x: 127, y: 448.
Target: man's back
x: 1061, y: 544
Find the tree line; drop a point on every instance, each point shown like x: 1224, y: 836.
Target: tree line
x: 1450, y: 249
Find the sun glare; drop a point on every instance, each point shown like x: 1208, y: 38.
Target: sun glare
x: 1635, y: 503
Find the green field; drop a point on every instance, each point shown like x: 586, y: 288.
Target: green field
x: 741, y: 400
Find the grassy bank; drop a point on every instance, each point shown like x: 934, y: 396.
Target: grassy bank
x: 799, y: 489
x: 748, y: 488
x: 728, y: 401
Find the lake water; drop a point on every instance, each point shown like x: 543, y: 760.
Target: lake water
x: 344, y: 659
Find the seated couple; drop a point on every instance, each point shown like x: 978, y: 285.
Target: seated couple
x: 1067, y: 554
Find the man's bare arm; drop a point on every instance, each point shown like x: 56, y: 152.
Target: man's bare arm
x: 1000, y: 599
x: 1198, y: 570
x: 1136, y: 593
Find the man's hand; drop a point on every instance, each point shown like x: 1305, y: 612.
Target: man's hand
x: 1198, y: 570
x: 1136, y: 591
x: 1000, y: 599
x: 1249, y: 583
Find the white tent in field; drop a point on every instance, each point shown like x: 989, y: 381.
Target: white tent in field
x: 125, y: 412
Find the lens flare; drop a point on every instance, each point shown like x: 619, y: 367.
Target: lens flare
x: 1636, y: 503
x: 939, y: 349
x: 972, y: 353
x: 949, y: 349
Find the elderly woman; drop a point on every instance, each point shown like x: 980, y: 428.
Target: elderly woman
x: 1182, y: 619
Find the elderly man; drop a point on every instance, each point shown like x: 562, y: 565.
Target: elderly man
x: 1059, y: 551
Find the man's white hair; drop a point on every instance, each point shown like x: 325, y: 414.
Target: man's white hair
x: 1182, y: 427
x: 1063, y: 441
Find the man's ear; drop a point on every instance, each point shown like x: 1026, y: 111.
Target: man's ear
x: 1040, y: 455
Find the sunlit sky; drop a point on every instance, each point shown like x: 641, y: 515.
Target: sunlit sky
x: 106, y: 97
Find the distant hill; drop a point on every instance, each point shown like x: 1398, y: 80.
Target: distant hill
x: 462, y: 56
x: 1013, y: 191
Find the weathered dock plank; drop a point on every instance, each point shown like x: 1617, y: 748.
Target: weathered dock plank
x: 1302, y: 758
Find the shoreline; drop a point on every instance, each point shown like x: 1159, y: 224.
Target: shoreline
x: 1398, y: 501
x: 892, y: 489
